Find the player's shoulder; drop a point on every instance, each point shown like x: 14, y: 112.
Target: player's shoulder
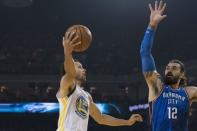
x: 67, y: 78
x: 191, y: 91
x: 89, y: 96
x: 66, y: 85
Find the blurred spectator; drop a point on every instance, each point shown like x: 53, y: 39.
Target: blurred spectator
x: 49, y: 94
x: 3, y: 94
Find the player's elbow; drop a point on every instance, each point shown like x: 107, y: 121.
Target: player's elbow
x: 100, y: 122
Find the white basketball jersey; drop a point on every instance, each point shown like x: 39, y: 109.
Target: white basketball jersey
x: 74, y: 111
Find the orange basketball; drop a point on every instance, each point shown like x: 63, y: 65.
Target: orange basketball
x: 84, y: 35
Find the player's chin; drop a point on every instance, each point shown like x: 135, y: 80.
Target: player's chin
x: 170, y: 80
x: 83, y: 79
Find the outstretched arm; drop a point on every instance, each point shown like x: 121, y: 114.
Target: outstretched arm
x: 156, y: 16
x: 67, y: 81
x: 148, y: 64
x: 69, y: 44
x: 104, y: 119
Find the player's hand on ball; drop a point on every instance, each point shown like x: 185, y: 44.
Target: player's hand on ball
x: 69, y: 42
x: 157, y: 13
x: 135, y: 118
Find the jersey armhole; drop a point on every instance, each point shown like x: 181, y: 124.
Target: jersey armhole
x: 66, y: 96
x: 151, y: 103
x: 157, y: 96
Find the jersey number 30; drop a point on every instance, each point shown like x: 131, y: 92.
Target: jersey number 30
x: 172, y: 112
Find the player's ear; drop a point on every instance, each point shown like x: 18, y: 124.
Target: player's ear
x: 182, y: 75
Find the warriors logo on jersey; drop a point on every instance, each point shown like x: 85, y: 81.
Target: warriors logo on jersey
x: 82, y: 107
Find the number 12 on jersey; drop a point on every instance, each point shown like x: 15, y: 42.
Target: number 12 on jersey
x: 172, y: 112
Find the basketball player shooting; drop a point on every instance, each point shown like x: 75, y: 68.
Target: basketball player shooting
x: 75, y: 103
x: 170, y: 98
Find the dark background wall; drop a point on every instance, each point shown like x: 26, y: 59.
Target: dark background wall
x: 31, y: 51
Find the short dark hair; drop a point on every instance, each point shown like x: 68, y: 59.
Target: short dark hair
x: 183, y: 81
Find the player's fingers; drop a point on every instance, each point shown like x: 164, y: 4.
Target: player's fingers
x: 163, y: 8
x: 75, y: 44
x: 136, y: 115
x: 163, y: 17
x: 67, y: 34
x: 160, y: 5
x: 74, y: 39
x: 150, y: 7
x: 72, y: 36
x: 140, y: 119
x: 156, y: 3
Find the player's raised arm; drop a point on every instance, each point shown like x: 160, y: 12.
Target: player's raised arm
x: 67, y: 80
x: 148, y: 64
x: 69, y: 44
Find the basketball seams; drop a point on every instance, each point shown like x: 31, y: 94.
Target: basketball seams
x: 81, y: 45
x: 79, y: 38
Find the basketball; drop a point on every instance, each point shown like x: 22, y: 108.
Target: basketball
x: 84, y: 35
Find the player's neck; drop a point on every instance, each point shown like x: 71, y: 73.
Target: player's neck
x: 176, y: 85
x: 78, y: 83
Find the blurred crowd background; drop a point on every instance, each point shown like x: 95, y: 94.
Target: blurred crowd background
x: 31, y: 54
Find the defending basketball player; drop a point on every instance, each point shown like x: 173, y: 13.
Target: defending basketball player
x: 170, y: 98
x: 75, y: 103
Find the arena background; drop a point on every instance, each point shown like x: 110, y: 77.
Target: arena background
x: 31, y: 56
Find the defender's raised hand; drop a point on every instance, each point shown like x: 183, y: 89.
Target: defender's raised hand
x: 156, y: 15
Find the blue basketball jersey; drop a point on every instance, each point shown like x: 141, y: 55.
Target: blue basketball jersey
x: 170, y: 111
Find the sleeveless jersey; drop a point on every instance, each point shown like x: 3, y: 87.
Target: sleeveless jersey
x: 170, y: 111
x: 74, y: 111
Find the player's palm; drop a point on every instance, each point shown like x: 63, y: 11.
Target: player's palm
x: 156, y: 16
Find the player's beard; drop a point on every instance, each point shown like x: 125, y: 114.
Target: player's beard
x: 169, y: 79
